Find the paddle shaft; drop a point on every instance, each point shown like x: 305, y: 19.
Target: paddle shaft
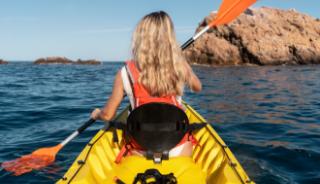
x: 77, y: 132
x: 196, y: 36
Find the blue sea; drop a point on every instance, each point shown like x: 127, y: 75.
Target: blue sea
x: 269, y: 116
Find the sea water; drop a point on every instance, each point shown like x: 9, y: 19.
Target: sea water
x: 269, y: 116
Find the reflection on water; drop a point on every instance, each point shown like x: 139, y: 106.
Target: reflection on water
x: 269, y: 116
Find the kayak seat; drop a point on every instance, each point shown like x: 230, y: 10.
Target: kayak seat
x: 157, y: 128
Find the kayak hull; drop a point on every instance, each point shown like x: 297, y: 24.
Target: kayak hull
x: 211, y: 162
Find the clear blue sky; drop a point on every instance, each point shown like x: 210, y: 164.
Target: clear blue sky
x: 99, y: 29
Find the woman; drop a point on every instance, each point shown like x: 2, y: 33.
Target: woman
x: 158, y: 70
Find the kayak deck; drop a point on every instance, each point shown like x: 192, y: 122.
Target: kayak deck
x: 212, y: 159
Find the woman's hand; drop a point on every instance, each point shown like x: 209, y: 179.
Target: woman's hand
x: 96, y: 114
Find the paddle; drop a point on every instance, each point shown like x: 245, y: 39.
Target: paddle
x: 41, y: 157
x: 228, y: 11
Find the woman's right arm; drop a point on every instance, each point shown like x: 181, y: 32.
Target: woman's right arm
x: 192, y: 79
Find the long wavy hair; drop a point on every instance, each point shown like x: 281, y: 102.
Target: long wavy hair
x: 158, y: 56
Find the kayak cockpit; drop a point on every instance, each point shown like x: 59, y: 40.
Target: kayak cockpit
x: 211, y: 161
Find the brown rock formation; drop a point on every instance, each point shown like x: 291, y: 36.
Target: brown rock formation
x: 64, y: 60
x: 87, y: 62
x: 3, y: 62
x: 264, y: 36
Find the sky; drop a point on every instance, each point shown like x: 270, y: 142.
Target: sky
x: 99, y: 29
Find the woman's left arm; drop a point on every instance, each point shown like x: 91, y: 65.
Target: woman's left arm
x: 110, y: 108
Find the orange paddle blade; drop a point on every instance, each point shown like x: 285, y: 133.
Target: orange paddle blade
x: 36, y: 160
x: 229, y: 10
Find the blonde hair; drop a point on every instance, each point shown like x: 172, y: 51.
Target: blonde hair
x: 158, y: 56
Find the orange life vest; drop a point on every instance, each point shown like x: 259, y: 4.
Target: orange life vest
x: 141, y: 95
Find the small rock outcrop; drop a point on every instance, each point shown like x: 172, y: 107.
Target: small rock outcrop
x: 263, y: 36
x: 53, y: 60
x: 3, y: 62
x: 87, y: 62
x: 64, y: 60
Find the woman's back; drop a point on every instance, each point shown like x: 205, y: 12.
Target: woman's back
x: 137, y: 93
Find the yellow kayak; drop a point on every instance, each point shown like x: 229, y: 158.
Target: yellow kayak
x: 211, y: 162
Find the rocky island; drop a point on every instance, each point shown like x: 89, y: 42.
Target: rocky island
x: 53, y: 60
x: 263, y: 36
x: 3, y: 62
x: 64, y: 60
